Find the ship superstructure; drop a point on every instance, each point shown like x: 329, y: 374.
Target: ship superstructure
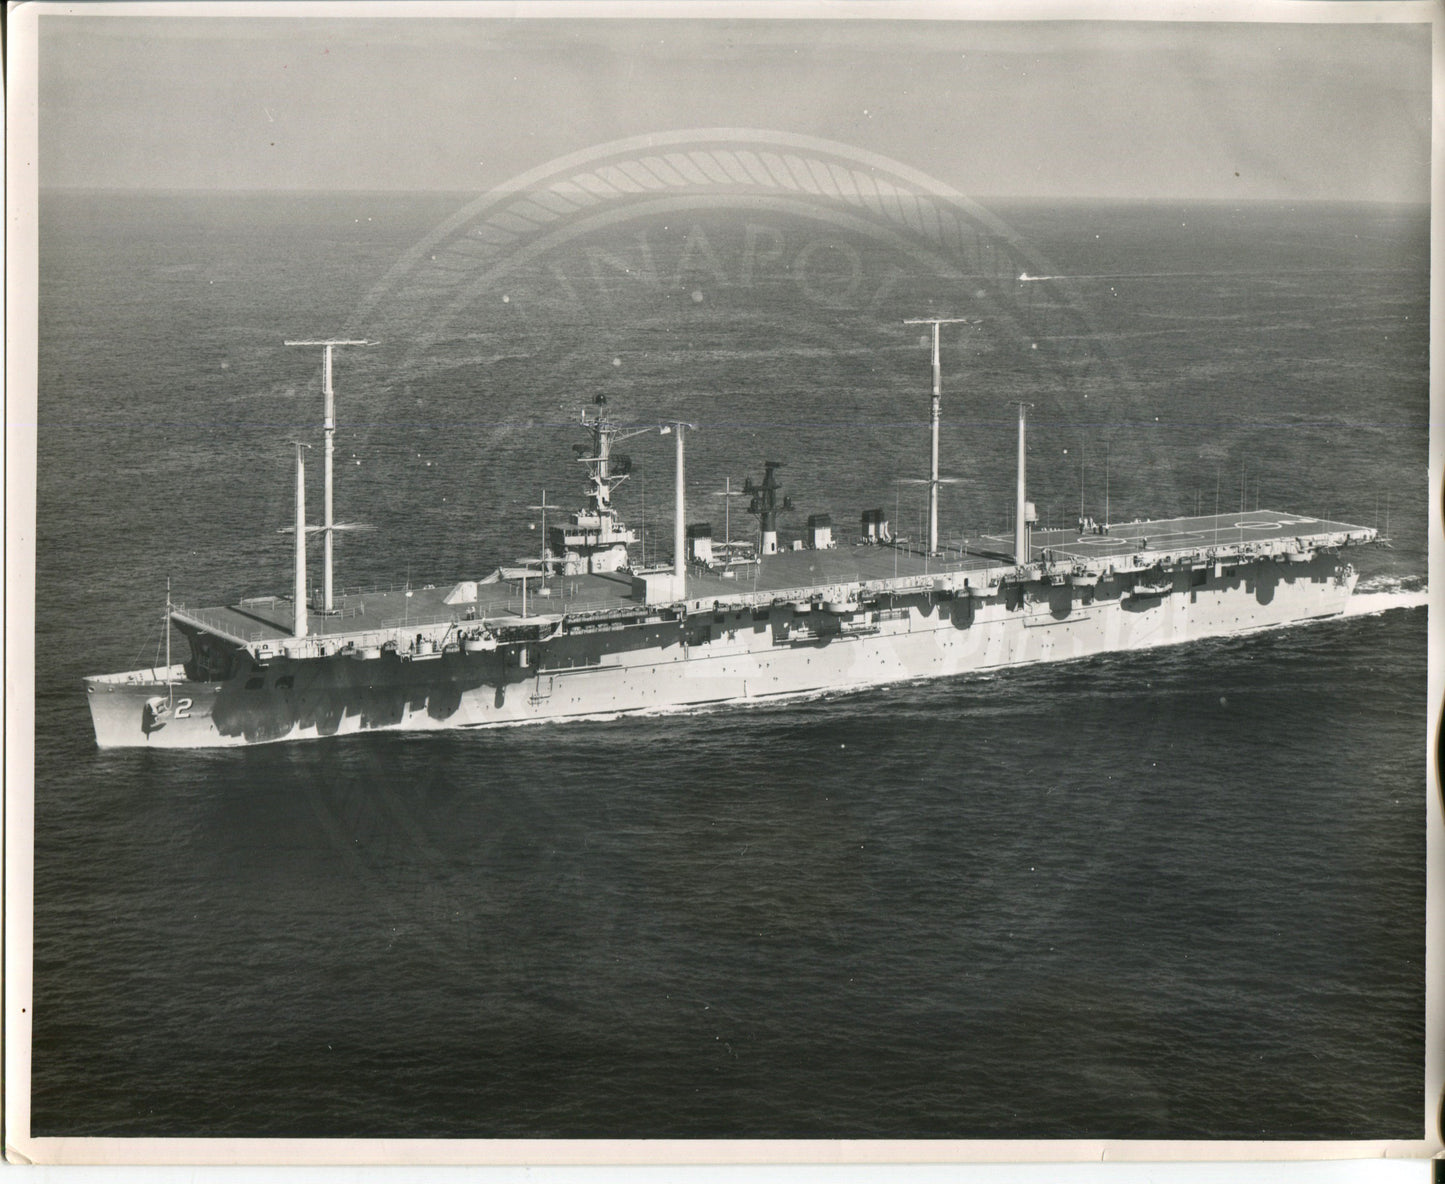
x: 594, y: 539
x: 590, y: 632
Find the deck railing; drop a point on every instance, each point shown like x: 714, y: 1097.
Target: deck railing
x: 351, y: 602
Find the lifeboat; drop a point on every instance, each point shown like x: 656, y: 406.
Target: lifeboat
x: 1154, y: 587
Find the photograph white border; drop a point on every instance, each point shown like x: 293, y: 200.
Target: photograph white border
x: 21, y: 247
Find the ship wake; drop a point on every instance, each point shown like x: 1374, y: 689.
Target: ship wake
x: 1385, y: 595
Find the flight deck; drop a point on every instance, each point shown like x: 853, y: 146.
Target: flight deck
x: 789, y: 572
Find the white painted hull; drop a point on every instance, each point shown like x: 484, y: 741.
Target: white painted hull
x: 735, y: 655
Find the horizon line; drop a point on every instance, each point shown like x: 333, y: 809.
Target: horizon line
x: 357, y: 191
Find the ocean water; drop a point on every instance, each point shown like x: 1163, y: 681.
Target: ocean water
x: 1169, y: 894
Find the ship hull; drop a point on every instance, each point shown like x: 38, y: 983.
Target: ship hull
x: 676, y: 660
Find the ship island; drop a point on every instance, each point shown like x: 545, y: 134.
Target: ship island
x: 583, y: 630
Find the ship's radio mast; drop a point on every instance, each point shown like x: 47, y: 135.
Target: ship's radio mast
x: 299, y: 623
x: 679, y: 505
x: 329, y: 427
x: 937, y: 400
x: 1024, y: 516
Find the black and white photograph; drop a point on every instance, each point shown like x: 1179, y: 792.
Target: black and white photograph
x: 702, y: 576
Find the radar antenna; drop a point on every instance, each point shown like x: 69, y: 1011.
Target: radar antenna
x: 767, y: 505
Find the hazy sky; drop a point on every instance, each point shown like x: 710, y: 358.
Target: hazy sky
x: 1101, y: 109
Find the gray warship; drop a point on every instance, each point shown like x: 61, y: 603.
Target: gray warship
x: 585, y: 631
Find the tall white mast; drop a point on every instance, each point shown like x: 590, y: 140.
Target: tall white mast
x: 936, y: 414
x: 329, y: 424
x: 679, y: 512
x: 300, y: 624
x: 679, y: 501
x: 1021, y: 508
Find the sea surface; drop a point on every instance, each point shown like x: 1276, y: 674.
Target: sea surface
x: 1169, y: 894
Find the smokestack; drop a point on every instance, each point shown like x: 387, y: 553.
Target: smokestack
x: 679, y: 528
x: 299, y: 629
x: 1021, y: 525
